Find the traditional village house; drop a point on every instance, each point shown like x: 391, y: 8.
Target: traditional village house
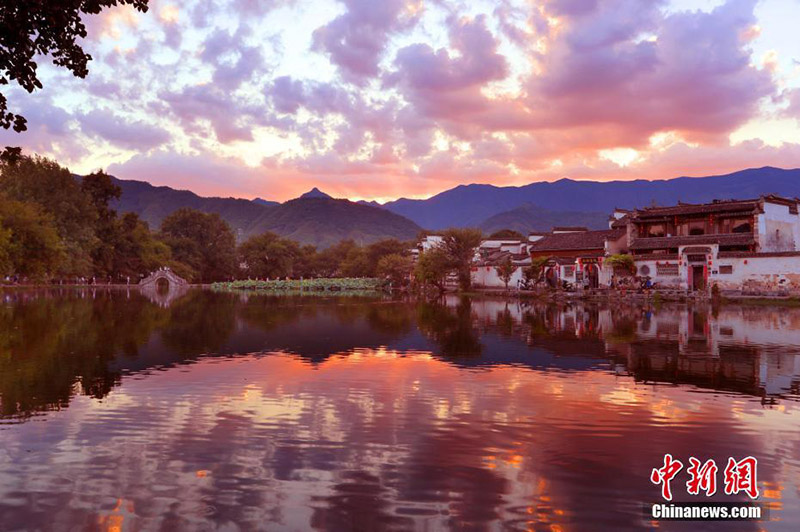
x: 739, y: 245
x: 494, y: 252
x: 533, y: 236
x: 576, y: 254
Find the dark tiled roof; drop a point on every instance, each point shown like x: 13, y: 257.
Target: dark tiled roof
x: 575, y: 241
x: 495, y: 258
x: 570, y: 228
x: 752, y: 255
x: 705, y: 208
x: 665, y: 242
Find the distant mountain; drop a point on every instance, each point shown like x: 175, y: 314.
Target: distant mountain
x: 262, y: 201
x: 471, y: 205
x: 317, y: 219
x: 325, y: 221
x: 314, y: 193
x: 153, y: 204
x: 529, y: 217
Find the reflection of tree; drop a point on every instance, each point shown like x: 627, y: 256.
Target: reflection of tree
x: 359, y: 502
x: 505, y: 322
x: 452, y: 330
x: 394, y: 318
x: 200, y: 322
x: 51, y: 344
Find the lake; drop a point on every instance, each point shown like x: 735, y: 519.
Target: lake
x: 228, y: 411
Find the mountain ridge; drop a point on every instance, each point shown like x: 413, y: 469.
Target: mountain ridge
x: 472, y: 204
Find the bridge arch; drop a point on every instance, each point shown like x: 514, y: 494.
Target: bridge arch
x: 163, y: 274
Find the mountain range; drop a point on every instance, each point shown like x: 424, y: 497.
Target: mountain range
x: 318, y: 219
x: 315, y: 218
x: 472, y: 205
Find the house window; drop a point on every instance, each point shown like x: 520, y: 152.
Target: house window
x: 692, y: 228
x: 727, y: 269
x: 655, y: 230
x: 735, y: 225
x: 569, y: 271
x: 667, y: 270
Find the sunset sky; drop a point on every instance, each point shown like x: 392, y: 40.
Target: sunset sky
x: 381, y: 99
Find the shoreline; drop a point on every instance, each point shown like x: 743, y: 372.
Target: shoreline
x: 539, y: 295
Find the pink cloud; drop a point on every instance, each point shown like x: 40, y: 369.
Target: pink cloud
x: 128, y: 134
x: 356, y: 40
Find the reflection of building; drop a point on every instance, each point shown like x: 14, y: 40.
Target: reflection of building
x: 748, y: 245
x: 744, y: 350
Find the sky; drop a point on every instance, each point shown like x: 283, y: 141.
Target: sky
x: 383, y: 99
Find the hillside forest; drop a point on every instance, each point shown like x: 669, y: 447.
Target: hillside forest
x: 58, y: 227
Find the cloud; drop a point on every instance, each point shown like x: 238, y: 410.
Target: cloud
x: 130, y: 135
x: 389, y: 98
x: 356, y: 40
x: 627, y: 66
x: 203, y: 173
x: 230, y: 119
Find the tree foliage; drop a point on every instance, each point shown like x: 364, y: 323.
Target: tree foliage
x: 505, y: 270
x: 204, y: 242
x: 506, y: 234
x: 29, y: 242
x: 61, y: 226
x: 395, y: 267
x: 533, y: 273
x: 459, y: 247
x: 270, y: 256
x: 40, y: 28
x: 432, y: 268
x: 622, y: 262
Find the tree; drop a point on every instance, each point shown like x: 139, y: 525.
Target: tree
x: 459, y: 246
x: 34, y: 248
x: 432, y: 268
x: 203, y: 242
x: 55, y: 190
x: 505, y: 270
x: 383, y: 248
x: 533, y: 273
x: 345, y: 259
x: 622, y: 262
x: 5, y: 250
x: 101, y: 191
x: 268, y: 255
x: 32, y: 28
x: 137, y: 251
x: 506, y: 234
x: 395, y: 267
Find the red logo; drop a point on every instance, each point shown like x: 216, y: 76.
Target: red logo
x: 702, y: 477
x: 739, y: 476
x: 665, y: 474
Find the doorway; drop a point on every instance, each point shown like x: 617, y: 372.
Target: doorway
x: 593, y: 275
x: 698, y: 280
x: 551, y: 277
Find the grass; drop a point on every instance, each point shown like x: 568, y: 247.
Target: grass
x: 763, y: 301
x: 344, y: 284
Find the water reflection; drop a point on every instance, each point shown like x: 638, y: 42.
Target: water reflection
x: 252, y: 412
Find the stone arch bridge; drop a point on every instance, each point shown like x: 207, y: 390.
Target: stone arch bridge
x: 173, y: 279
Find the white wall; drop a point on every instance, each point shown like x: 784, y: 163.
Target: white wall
x: 759, y: 274
x: 778, y: 229
x: 664, y: 281
x: 487, y: 277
